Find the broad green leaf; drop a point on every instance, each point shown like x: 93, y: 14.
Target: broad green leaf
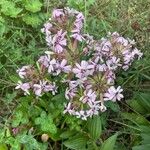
x: 67, y: 134
x: 136, y: 118
x: 113, y: 106
x: 95, y: 127
x: 145, y: 135
x: 28, y: 140
x: 32, y: 19
x: 13, y: 142
x: 145, y: 129
x: 146, y: 138
x: 109, y: 143
x: 144, y: 100
x: 60, y: 98
x: 76, y: 143
x: 19, y: 117
x: 142, y: 147
x: 33, y: 5
x: 134, y: 104
x: 9, y: 8
x: 30, y: 143
x: 46, y: 123
x: 3, y: 147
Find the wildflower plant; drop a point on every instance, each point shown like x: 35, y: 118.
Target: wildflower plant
x: 85, y: 67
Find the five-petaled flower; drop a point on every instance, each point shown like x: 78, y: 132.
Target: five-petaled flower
x: 113, y: 94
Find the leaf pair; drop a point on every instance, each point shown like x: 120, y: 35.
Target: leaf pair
x: 84, y: 142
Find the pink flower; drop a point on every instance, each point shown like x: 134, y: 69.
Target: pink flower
x: 37, y: 88
x: 15, y: 131
x: 68, y: 108
x: 46, y: 29
x: 24, y: 87
x: 23, y: 71
x: 44, y: 86
x: 113, y: 94
x: 77, y: 36
x: 70, y: 93
x: 78, y: 24
x: 122, y: 41
x: 110, y: 76
x: 89, y: 96
x: 53, y: 88
x: 44, y: 60
x: 59, y: 41
x: 127, y: 57
x: 113, y: 63
x: 106, y: 46
x: 52, y: 65
x: 80, y: 16
x: 136, y: 52
x: 57, y: 13
x: 62, y: 66
x: 101, y: 67
x: 84, y: 69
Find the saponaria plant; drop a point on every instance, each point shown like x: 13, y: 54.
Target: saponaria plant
x: 86, y: 67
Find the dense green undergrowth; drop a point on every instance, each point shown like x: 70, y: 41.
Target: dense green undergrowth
x: 39, y: 124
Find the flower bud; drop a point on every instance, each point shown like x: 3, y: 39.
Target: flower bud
x: 44, y: 137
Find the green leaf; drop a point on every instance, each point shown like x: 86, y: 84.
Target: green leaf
x: 76, y: 143
x: 60, y: 98
x: 142, y: 147
x: 95, y: 127
x: 113, y: 106
x: 30, y: 142
x: 19, y: 117
x: 13, y: 142
x: 33, y: 5
x: 46, y: 123
x: 67, y: 134
x: 145, y: 135
x: 3, y: 147
x: 2, y: 135
x: 2, y: 29
x: 136, y: 119
x: 144, y: 100
x: 9, y: 8
x: 32, y: 19
x: 109, y: 143
x: 134, y: 104
x: 10, y: 97
x: 14, y: 78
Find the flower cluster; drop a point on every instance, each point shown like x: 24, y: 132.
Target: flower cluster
x: 32, y: 82
x: 86, y: 67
